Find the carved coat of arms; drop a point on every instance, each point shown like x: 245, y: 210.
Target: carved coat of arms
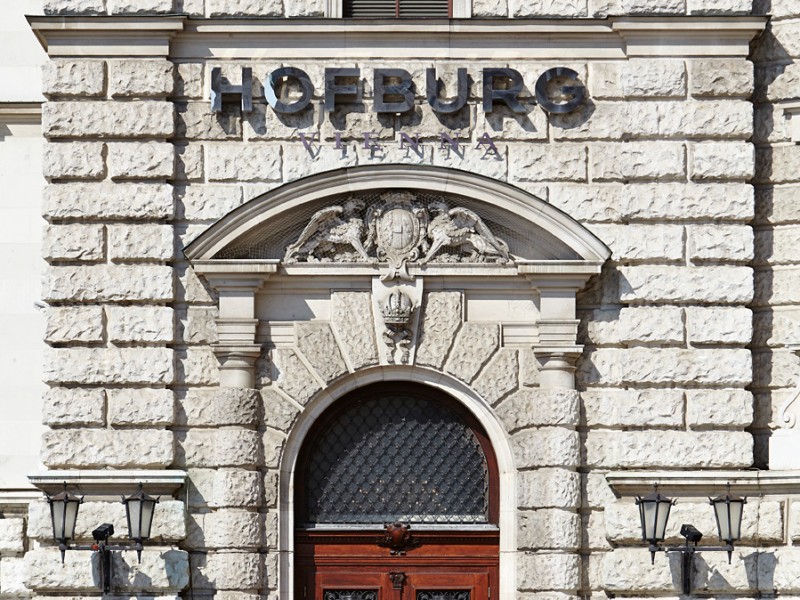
x: 398, y: 229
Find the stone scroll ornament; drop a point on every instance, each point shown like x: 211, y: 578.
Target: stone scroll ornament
x: 399, y: 229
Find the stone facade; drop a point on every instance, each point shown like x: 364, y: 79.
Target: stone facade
x: 639, y: 332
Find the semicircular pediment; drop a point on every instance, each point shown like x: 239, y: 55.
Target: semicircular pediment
x: 393, y: 214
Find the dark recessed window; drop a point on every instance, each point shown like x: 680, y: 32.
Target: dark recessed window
x: 396, y: 8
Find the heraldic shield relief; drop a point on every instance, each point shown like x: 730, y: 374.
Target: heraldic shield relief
x: 398, y: 229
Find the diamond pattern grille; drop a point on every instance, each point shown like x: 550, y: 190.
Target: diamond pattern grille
x: 443, y: 595
x: 397, y: 457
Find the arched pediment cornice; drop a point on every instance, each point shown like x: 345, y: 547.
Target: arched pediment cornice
x: 582, y: 245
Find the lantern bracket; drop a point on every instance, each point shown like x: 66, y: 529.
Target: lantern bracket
x: 687, y: 552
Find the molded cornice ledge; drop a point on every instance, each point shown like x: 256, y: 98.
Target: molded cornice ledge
x: 704, y: 483
x: 181, y: 37
x: 106, y: 36
x: 109, y: 483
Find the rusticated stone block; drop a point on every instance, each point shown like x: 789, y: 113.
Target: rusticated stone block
x: 549, y: 529
x: 528, y: 368
x: 651, y: 325
x: 226, y: 571
x: 108, y: 283
x: 189, y: 162
x: 500, y: 377
x: 292, y: 376
x: 638, y: 160
x: 667, y: 365
x: 719, y: 408
x: 12, y: 536
x: 273, y: 442
x: 680, y: 284
x: 629, y: 570
x: 197, y: 366
x: 189, y: 80
x: 228, y: 529
x: 140, y: 78
x: 75, y: 242
x: 777, y: 286
x: 474, y: 345
x: 141, y: 242
x: 220, y: 406
x: 632, y: 408
x: 595, y: 491
x: 141, y: 160
x: 722, y: 160
x: 317, y: 344
x: 641, y: 449
x: 642, y: 242
x: 593, y: 531
x: 135, y: 119
x: 219, y: 448
x: 13, y: 575
x: 721, y: 77
x: 794, y: 521
x: 655, y: 202
x: 243, y: 162
x: 279, y: 412
x: 779, y: 165
x: 486, y: 8
x: 145, y: 448
x: 224, y: 488
x: 128, y: 7
x: 545, y: 162
x: 731, y: 243
x: 140, y: 323
x: 209, y: 202
x: 108, y: 365
x: 534, y: 407
x: 86, y: 78
x: 196, y: 325
x: 74, y: 324
x: 546, y: 447
x: 546, y: 488
x: 74, y: 160
x: 272, y: 8
x: 161, y: 569
x: 719, y: 325
x: 74, y: 406
x: 440, y: 319
x: 547, y: 8
x: 537, y: 571
x: 638, y: 78
x: 719, y: 7
x: 776, y: 245
x: 196, y: 121
x: 141, y: 407
x: 108, y: 201
x: 351, y: 315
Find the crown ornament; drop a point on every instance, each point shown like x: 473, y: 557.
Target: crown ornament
x: 397, y: 308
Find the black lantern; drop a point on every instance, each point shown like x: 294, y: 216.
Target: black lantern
x: 728, y: 510
x: 64, y: 514
x: 654, y: 514
x: 139, y: 508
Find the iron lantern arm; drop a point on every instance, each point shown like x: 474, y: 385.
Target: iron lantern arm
x: 687, y: 552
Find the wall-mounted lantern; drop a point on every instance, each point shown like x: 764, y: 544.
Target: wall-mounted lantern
x: 139, y: 508
x: 654, y: 512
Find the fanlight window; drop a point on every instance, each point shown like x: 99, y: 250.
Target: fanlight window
x: 396, y: 456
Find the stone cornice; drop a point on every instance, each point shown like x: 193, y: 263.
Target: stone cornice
x: 184, y: 38
x: 705, y: 483
x: 109, y: 483
x: 20, y: 112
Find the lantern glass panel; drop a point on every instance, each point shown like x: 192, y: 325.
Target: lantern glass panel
x: 71, y: 519
x: 728, y: 512
x: 147, y: 508
x: 654, y: 513
x: 57, y: 512
x: 134, y: 518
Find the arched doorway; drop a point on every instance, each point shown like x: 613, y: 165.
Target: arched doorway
x: 396, y: 498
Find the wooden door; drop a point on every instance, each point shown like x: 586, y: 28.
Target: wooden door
x: 407, y: 454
